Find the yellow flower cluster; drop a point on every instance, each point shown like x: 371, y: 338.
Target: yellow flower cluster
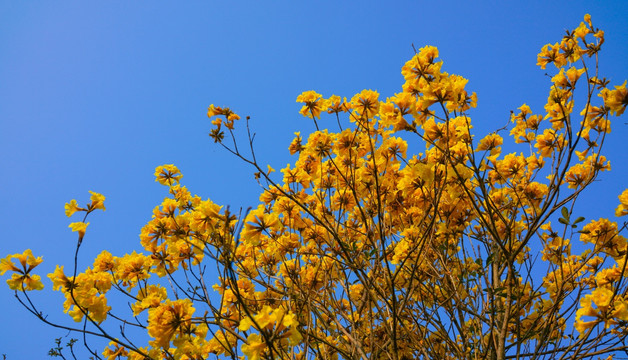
x: 354, y: 199
x: 21, y: 278
x: 97, y: 201
x: 274, y: 321
x: 85, y: 294
x: 168, y: 319
x: 360, y: 249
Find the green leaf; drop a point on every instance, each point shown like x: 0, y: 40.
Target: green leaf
x: 489, y: 260
x: 579, y: 220
x: 563, y: 221
x: 565, y: 213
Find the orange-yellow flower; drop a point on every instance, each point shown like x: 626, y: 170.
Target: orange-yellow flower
x: 59, y: 280
x: 21, y: 279
x: 167, y: 174
x: 615, y: 100
x: 97, y: 201
x: 622, y: 209
x: 254, y: 347
x: 27, y: 260
x: 71, y: 208
x: 115, y: 351
x: 366, y: 103
x: 314, y: 104
x: 25, y: 282
x: 79, y: 227
x: 168, y: 318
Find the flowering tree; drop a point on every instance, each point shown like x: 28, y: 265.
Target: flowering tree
x: 362, y: 251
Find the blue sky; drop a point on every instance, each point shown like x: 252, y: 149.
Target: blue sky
x: 94, y: 96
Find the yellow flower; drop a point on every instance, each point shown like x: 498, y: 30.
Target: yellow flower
x: 579, y: 175
x: 314, y: 104
x: 621, y: 309
x: 604, y: 234
x: 615, y: 100
x: 602, y: 297
x: 366, y: 103
x: 149, y: 298
x: 551, y: 54
x: 71, y: 208
x: 59, y: 280
x: 21, y: 279
x: 548, y: 142
x: 98, y: 308
x: 26, y: 259
x: 254, y: 347
x: 490, y: 142
x: 6, y: 264
x: 622, y: 209
x: 582, y: 30
x: 25, y: 282
x: 245, y: 324
x: 256, y: 223
x: 217, y: 110
x: 587, y: 19
x: 422, y: 64
x: 295, y: 145
x: 132, y: 268
x: 116, y: 352
x: 336, y: 105
x: 104, y: 261
x: 97, y: 201
x: 568, y: 79
x: 165, y: 320
x: 267, y: 316
x: 167, y: 174
x: 79, y: 227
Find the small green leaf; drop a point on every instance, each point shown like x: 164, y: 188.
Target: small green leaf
x: 565, y: 213
x: 579, y: 220
x: 563, y: 221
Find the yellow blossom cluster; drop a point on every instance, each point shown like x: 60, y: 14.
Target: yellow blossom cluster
x: 21, y: 278
x: 362, y: 249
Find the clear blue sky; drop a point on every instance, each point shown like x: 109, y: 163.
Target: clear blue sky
x: 95, y: 95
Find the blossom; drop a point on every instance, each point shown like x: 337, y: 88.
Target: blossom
x: 490, y: 142
x: 168, y: 318
x: 149, y: 298
x: 79, y: 227
x: 114, y: 351
x: 22, y: 279
x: 97, y: 201
x: 336, y: 105
x: 167, y: 174
x: 615, y: 100
x: 254, y: 347
x: 366, y: 103
x: 71, y: 208
x: 25, y: 282
x: 6, y: 264
x: 622, y: 209
x: 104, y: 262
x: 314, y: 104
x: 59, y: 280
